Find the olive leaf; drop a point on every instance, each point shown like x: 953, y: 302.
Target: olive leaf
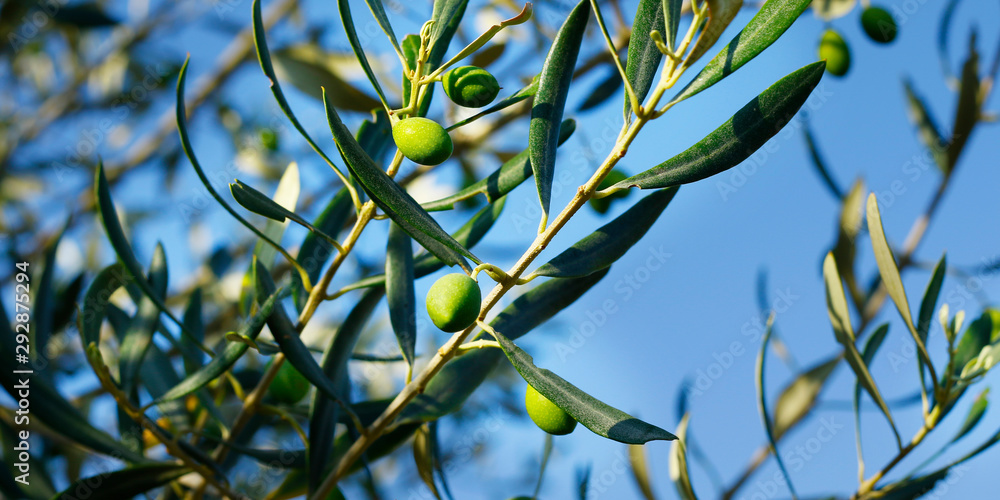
x: 968, y: 108
x: 720, y: 14
x: 547, y: 109
x: 762, y: 403
x: 639, y: 465
x: 139, y: 336
x: 125, y: 483
x: 595, y: 415
x: 643, y: 56
x: 927, y: 128
x: 423, y: 456
x: 735, y: 140
x: 315, y: 250
x: 344, y: 7
x: 820, y: 163
x: 799, y: 397
x: 43, y: 315
x: 610, y: 242
x: 678, y: 463
x: 308, y: 68
x: 871, y: 348
x: 400, y: 291
x: 771, y: 21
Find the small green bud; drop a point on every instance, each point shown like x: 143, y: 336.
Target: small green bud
x: 422, y: 140
x: 546, y: 415
x: 453, y: 302
x: 833, y: 48
x: 879, y: 24
x: 470, y: 86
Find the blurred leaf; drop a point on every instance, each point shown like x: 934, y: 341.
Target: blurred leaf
x: 45, y: 299
x: 315, y: 251
x: 871, y: 348
x: 720, y: 14
x: 139, y: 336
x: 224, y: 361
x: 277, y: 458
x: 394, y: 200
x: 547, y: 109
x: 487, y: 56
x: 65, y: 303
x: 845, y: 250
x: 799, y: 397
x: 762, y: 404
x: 736, y: 139
x: 83, y: 15
x: 286, y: 196
x: 643, y: 56
x: 125, y: 483
x: 595, y: 415
x: 836, y: 304
x: 639, y: 465
x: 193, y: 321
x: 352, y: 37
x: 423, y: 455
x: 820, y: 163
x: 678, y: 463
x: 400, y: 292
x: 975, y: 415
x: 447, y: 391
x: 503, y: 180
x: 323, y: 412
x: 309, y: 68
x: 829, y: 10
x: 890, y: 273
x: 605, y: 246
x: 544, y: 463
x: 927, y: 128
x: 944, y: 29
x: 603, y: 91
x: 909, y: 489
x: 583, y: 482
x: 767, y: 25
x: 967, y: 110
x: 528, y: 91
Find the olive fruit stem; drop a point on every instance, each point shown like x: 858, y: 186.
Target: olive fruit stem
x: 478, y: 344
x: 614, y: 57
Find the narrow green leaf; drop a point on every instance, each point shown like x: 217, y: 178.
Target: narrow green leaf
x: 944, y: 29
x: 344, y: 6
x: 527, y: 91
x: 125, y: 483
x: 871, y: 348
x: 720, y: 14
x: 836, y: 304
x: 257, y: 202
x: 738, y: 138
x: 378, y: 10
x: 678, y: 463
x: 975, y: 415
x: 309, y: 68
x: 967, y: 110
x: 286, y: 196
x: 799, y: 397
x: 423, y: 456
x: 979, y: 334
x: 603, y: 91
x: 643, y: 56
x: 47, y: 404
x: 43, y: 315
x: 323, y: 413
x: 762, y: 405
x: 820, y: 163
x: 224, y: 361
x: 671, y: 21
x: 139, y: 336
x: 399, y: 291
x: 595, y: 415
x: 547, y: 110
x: 116, y: 236
x: 639, y: 465
x: 889, y: 272
x: 929, y: 303
x: 544, y: 463
x: 316, y: 251
x: 603, y: 247
x: 277, y: 458
x: 447, y: 14
x: 927, y: 128
x: 770, y: 22
x: 394, y: 200
x: 447, y: 391
x: 846, y: 248
x: 503, y: 180
x: 193, y: 321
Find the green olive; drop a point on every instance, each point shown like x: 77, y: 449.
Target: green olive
x: 470, y: 86
x: 879, y: 24
x: 546, y: 415
x: 601, y: 205
x: 453, y: 302
x: 422, y: 140
x: 289, y: 386
x: 833, y: 48
x: 269, y: 139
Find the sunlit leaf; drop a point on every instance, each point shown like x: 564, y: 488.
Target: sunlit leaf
x: 720, y: 14
x: 799, y: 397
x: 639, y: 465
x: 309, y: 69
x: 829, y: 10
x: 423, y: 456
x: 678, y: 462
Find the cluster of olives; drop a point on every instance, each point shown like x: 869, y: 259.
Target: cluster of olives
x: 877, y: 23
x: 425, y: 141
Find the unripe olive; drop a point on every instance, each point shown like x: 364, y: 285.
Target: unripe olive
x: 453, y: 302
x: 601, y: 205
x: 879, y: 24
x: 289, y: 386
x: 422, y: 140
x: 833, y: 48
x: 546, y: 415
x: 470, y: 86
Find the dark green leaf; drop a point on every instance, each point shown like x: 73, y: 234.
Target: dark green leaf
x: 352, y: 37
x: 224, y: 361
x: 503, y: 180
x: 394, y: 200
x: 643, y: 56
x: 399, y: 291
x: 944, y: 28
x: 194, y: 323
x: 139, y: 336
x: 736, y: 139
x: 257, y: 202
x: 605, y: 246
x: 979, y: 334
x: 423, y: 456
x: 278, y: 459
x: 975, y: 415
x: 447, y: 15
x: 547, y: 110
x: 909, y: 489
x: 929, y: 303
x: 770, y: 22
x: 125, y: 483
x: 595, y: 415
x: 460, y: 377
x: 84, y: 15
x: 820, y: 163
x: 315, y: 251
x: 762, y: 404
x: 45, y: 298
x: 967, y: 110
x: 927, y: 128
x: 602, y: 91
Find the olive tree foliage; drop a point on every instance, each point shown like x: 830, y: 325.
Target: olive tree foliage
x: 202, y: 381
